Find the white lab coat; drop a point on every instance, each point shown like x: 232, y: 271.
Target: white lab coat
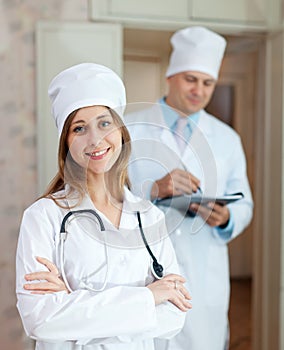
x: 215, y: 156
x: 124, y: 315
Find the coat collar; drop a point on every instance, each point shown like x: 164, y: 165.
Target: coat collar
x: 204, y: 123
x: 131, y: 204
x: 203, y: 127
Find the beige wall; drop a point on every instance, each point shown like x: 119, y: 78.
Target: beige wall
x: 18, y: 135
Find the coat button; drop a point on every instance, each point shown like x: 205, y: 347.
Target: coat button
x: 123, y: 260
x: 178, y: 232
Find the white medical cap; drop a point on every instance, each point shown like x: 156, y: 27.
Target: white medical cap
x: 196, y: 49
x: 83, y: 85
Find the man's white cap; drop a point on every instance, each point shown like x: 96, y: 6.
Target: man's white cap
x: 84, y: 85
x: 196, y: 49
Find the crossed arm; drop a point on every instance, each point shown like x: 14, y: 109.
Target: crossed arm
x: 170, y: 288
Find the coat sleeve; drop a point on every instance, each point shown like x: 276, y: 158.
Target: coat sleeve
x: 107, y: 316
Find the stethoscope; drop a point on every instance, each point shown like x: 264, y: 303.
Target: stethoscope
x: 156, y: 268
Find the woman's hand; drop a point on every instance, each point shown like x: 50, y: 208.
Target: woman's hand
x: 50, y: 281
x: 171, y: 288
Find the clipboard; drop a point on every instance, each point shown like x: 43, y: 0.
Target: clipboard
x: 182, y: 202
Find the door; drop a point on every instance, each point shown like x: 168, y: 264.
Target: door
x: 61, y: 45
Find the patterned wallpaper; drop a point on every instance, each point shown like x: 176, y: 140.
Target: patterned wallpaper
x: 18, y: 136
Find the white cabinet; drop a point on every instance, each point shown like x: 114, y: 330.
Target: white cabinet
x: 227, y: 16
x: 153, y: 13
x: 61, y: 45
x: 158, y: 9
x: 242, y: 11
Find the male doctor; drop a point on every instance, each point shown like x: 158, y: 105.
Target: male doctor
x: 179, y: 148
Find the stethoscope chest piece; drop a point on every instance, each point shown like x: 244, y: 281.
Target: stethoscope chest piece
x: 157, y: 269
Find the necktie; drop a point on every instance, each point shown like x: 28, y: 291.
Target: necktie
x: 180, y: 133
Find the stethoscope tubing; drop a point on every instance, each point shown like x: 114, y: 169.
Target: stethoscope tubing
x: 156, y: 268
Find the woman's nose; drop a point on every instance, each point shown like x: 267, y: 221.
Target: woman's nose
x: 94, y: 136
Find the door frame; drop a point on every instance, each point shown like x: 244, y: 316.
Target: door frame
x: 268, y: 308
x: 268, y: 295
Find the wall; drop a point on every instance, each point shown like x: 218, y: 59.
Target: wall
x: 18, y: 135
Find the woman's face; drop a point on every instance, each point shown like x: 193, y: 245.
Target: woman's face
x: 94, y: 140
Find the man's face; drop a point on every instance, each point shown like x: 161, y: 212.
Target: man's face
x: 190, y: 91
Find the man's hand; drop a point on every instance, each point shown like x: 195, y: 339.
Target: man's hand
x: 213, y: 213
x: 175, y: 183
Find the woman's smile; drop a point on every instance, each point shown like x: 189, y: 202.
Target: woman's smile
x: 97, y: 155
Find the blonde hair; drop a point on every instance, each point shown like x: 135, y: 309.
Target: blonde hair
x: 71, y: 173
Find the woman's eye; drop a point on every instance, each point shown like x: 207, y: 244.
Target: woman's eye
x: 79, y: 129
x: 105, y: 123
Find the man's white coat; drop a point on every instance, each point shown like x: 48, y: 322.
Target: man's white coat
x: 215, y: 156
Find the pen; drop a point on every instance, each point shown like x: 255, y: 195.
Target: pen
x: 185, y: 168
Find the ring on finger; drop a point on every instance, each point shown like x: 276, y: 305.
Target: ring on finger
x: 176, y: 284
